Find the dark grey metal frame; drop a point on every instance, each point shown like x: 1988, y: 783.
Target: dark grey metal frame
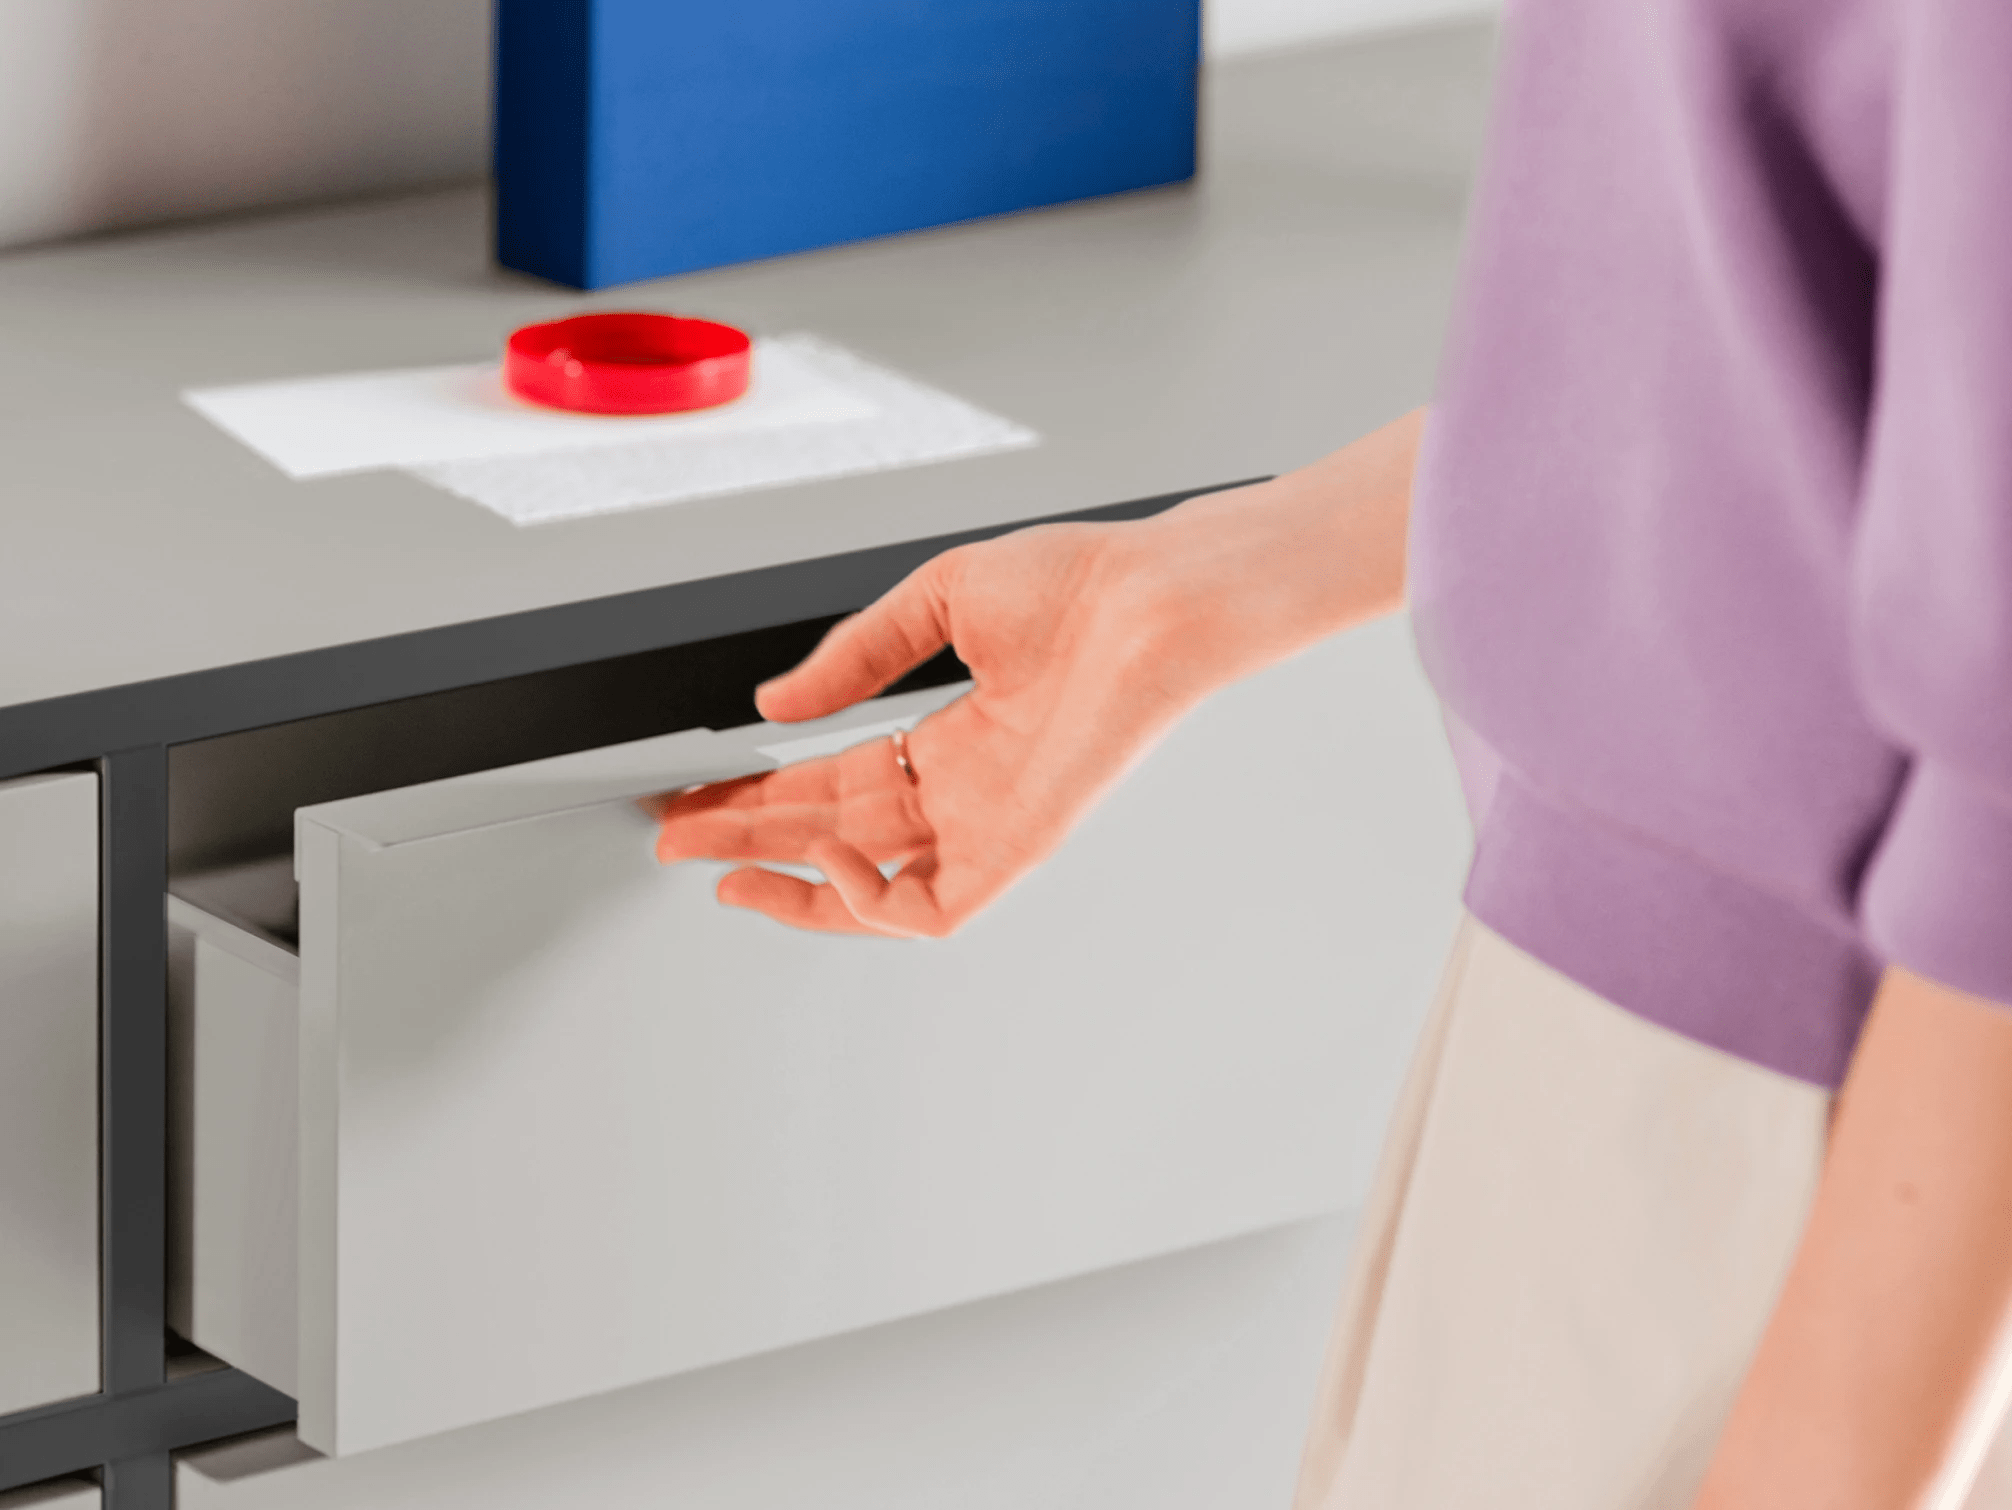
x: 127, y: 1431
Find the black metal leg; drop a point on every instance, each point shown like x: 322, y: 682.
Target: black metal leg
x: 73, y: 1436
x: 133, y: 1060
x: 128, y: 1429
x: 143, y: 1483
x: 133, y: 1109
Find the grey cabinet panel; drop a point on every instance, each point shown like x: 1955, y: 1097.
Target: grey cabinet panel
x: 1180, y: 1384
x: 48, y: 1089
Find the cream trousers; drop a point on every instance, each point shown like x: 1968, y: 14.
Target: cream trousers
x: 1576, y: 1236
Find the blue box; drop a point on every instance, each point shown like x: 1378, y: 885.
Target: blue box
x: 638, y: 138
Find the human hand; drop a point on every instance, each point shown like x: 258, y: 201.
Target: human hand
x: 1085, y: 643
x: 1070, y: 686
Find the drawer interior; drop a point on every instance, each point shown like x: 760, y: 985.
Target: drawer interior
x: 232, y: 798
x: 259, y: 897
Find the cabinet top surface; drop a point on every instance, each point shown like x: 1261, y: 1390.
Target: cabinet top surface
x: 1290, y: 298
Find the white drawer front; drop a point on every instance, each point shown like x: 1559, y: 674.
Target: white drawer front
x: 48, y: 1089
x: 555, y: 1102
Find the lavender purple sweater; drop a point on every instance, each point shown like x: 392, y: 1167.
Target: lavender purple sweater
x: 1712, y: 552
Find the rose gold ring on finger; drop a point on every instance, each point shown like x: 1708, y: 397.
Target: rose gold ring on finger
x: 899, y: 739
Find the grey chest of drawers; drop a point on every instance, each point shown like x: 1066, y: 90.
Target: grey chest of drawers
x: 198, y: 646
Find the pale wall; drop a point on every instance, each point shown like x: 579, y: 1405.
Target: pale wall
x: 118, y: 112
x: 122, y: 112
x: 1243, y: 26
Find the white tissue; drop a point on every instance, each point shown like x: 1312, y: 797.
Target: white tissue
x: 364, y: 421
x: 813, y: 411
x: 909, y: 424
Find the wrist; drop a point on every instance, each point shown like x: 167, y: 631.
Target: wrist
x: 1178, y: 593
x: 1232, y: 581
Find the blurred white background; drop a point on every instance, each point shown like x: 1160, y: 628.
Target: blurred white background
x: 120, y: 112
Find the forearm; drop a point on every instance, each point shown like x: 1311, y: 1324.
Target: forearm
x: 1876, y: 1360
x: 1243, y: 578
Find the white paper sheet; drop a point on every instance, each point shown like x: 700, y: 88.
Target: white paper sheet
x: 358, y: 422
x: 813, y: 411
x: 911, y: 424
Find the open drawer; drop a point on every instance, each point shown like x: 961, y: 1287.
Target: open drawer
x: 519, y: 1093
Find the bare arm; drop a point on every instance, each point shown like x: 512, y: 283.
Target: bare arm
x: 1085, y: 643
x: 1262, y: 572
x: 1874, y: 1372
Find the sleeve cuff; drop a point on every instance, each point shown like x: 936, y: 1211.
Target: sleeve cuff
x: 1937, y: 899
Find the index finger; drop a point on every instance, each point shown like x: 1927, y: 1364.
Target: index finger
x: 871, y: 650
x: 688, y: 801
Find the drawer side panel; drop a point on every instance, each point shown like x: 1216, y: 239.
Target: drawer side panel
x: 242, y: 1286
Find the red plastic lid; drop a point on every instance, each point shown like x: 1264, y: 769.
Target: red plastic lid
x: 628, y: 362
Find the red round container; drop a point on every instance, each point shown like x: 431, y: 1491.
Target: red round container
x: 628, y: 362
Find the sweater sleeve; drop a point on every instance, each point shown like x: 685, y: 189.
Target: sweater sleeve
x: 1932, y: 566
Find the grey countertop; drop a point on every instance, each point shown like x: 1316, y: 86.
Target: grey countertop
x: 1291, y: 298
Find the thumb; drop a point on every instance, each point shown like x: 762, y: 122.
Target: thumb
x: 873, y: 648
